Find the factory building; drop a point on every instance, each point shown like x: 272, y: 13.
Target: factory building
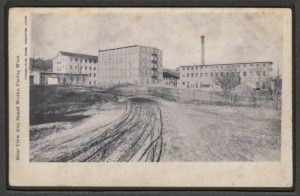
x: 253, y: 74
x: 170, y: 78
x: 139, y: 65
x: 50, y: 78
x: 72, y: 64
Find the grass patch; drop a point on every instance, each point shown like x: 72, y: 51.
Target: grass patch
x: 60, y: 103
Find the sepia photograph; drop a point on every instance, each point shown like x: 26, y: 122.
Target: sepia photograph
x: 182, y: 87
x: 149, y: 91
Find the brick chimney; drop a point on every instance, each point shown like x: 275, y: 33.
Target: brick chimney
x: 202, y: 50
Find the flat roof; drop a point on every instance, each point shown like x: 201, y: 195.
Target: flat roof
x: 126, y: 47
x: 226, y: 64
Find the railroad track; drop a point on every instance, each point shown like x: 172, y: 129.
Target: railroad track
x: 135, y: 136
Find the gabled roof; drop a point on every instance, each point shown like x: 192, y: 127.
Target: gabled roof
x: 170, y: 74
x: 86, y: 56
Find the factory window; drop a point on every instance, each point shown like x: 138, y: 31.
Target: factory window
x: 90, y: 74
x: 80, y: 60
x: 251, y: 73
x: 183, y: 68
x: 85, y: 67
x: 216, y: 74
x: 196, y: 74
x: 71, y: 79
x: 187, y: 75
x: 85, y: 60
x: 192, y: 75
x: 90, y: 60
x: 76, y: 59
x: 94, y: 82
x: 94, y: 68
x: 183, y: 83
x: 95, y: 61
x: 211, y: 74
x: 90, y: 82
x: 245, y: 73
x: 201, y: 67
x: 257, y: 73
x: 257, y: 84
x: 227, y: 74
x: 222, y: 74
x: 192, y: 68
x: 197, y: 68
x: 147, y: 81
x: 196, y: 84
x: 263, y: 85
x: 201, y: 74
x: 264, y: 73
x: 205, y: 74
x: 94, y: 75
x: 245, y: 65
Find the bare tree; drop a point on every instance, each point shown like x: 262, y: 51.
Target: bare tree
x: 277, y: 86
x: 228, y: 83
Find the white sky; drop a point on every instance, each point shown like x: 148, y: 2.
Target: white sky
x: 229, y: 37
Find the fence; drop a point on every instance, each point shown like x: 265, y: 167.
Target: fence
x: 199, y: 96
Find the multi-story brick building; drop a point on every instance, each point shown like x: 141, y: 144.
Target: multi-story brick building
x: 255, y: 74
x: 136, y: 64
x: 73, y: 63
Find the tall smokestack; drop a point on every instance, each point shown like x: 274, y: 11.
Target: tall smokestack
x: 202, y: 50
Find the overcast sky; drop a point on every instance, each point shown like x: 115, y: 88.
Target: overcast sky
x: 229, y: 37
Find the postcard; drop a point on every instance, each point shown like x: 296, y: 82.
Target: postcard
x: 150, y: 97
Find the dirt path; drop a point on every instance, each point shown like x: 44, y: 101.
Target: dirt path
x: 135, y: 136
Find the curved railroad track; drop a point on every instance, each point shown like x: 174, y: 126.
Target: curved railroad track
x: 135, y: 136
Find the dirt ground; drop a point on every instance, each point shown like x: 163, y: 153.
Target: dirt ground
x: 91, y: 125
x: 220, y: 133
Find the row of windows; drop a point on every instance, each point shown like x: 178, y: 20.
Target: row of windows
x: 211, y: 74
x: 91, y: 75
x: 188, y: 85
x: 81, y: 60
x: 90, y: 68
x: 72, y: 79
x: 220, y: 66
